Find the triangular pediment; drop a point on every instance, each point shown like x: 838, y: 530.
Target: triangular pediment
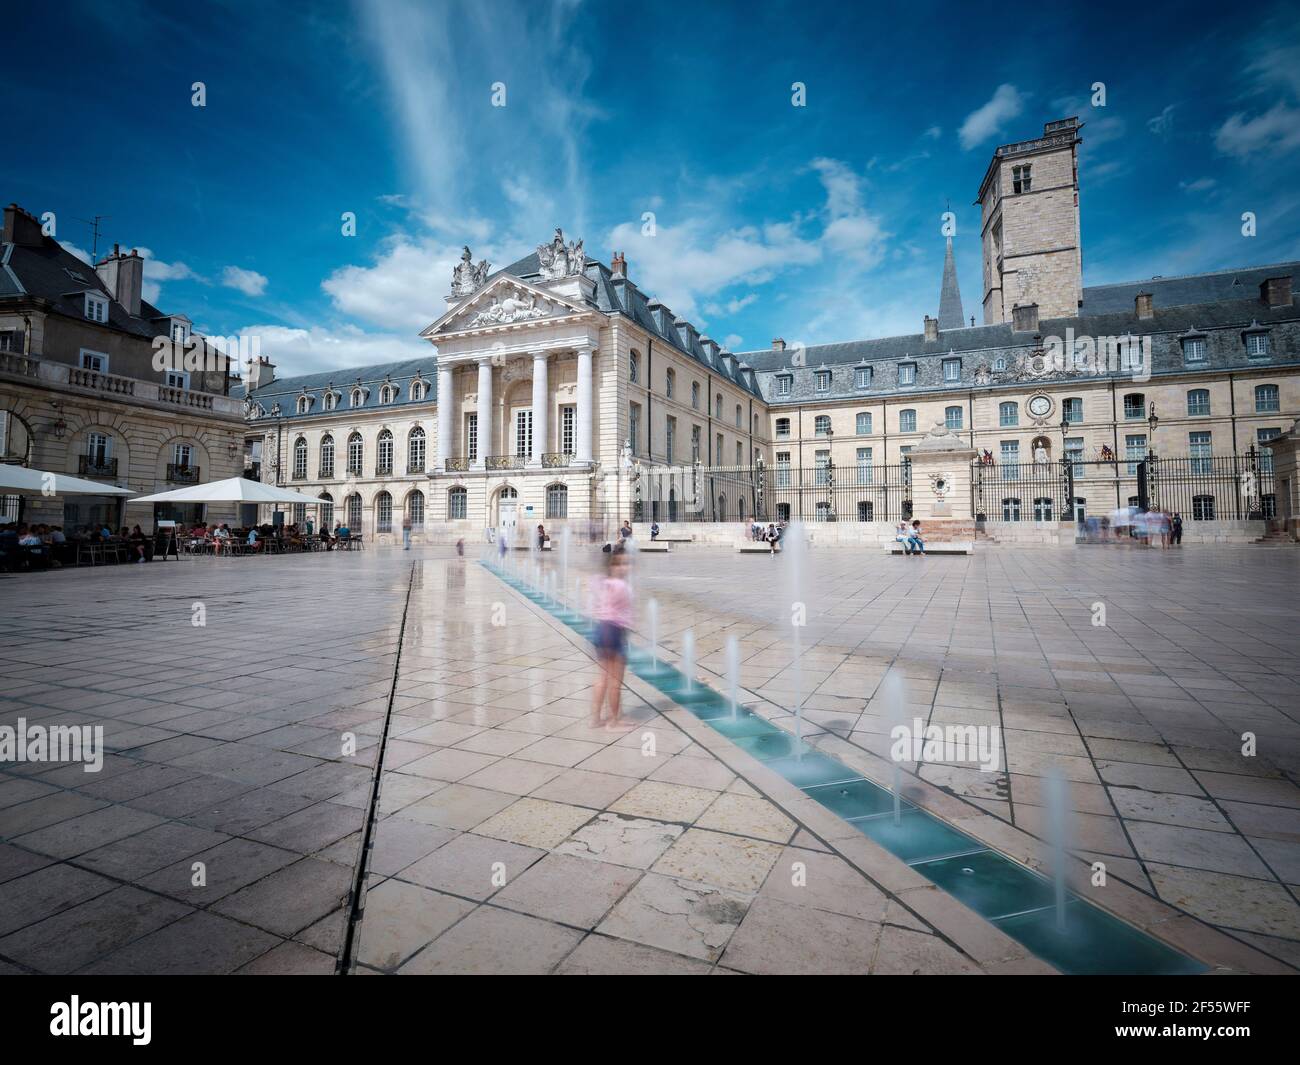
x: 502, y: 302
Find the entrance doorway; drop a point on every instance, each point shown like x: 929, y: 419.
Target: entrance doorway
x: 507, y: 509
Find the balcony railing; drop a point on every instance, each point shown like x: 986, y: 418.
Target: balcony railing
x: 383, y: 469
x: 15, y: 363
x: 506, y: 462
x: 327, y: 472
x: 178, y: 474
x: 414, y: 468
x: 456, y: 464
x: 101, y: 382
x: 554, y: 460
x: 88, y: 466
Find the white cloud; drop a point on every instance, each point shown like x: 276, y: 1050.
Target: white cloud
x: 733, y: 341
x: 315, y: 349
x: 1274, y: 132
x: 249, y: 282
x: 934, y: 133
x: 1006, y: 103
x: 1204, y: 184
x: 1163, y: 124
x: 402, y: 289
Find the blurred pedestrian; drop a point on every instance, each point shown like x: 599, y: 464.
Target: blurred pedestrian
x: 613, y: 618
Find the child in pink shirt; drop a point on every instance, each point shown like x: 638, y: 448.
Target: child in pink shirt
x: 613, y: 619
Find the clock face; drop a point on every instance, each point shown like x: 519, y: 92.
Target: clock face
x: 1040, y: 406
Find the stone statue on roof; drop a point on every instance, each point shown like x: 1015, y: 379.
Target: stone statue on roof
x: 558, y: 259
x: 466, y: 277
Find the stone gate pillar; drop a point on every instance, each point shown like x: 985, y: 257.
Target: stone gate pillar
x: 1286, y: 481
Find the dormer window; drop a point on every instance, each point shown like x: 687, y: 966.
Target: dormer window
x: 96, y: 307
x: 180, y: 332
x: 304, y: 404
x: 1257, y: 345
x: 862, y: 377
x: 822, y: 380
x: 357, y: 398
x: 951, y: 370
x: 331, y: 400
x: 784, y: 383
x: 999, y: 364
x: 387, y: 394
x: 419, y: 389
x: 1193, y: 349
x: 907, y: 373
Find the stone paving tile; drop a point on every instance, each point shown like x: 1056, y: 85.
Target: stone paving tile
x: 1145, y: 715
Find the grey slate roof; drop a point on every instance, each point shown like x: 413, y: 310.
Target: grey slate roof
x: 1187, y: 289
x: 51, y: 273
x: 400, y: 374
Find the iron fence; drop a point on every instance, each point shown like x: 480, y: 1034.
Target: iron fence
x: 863, y: 492
x: 1200, y: 488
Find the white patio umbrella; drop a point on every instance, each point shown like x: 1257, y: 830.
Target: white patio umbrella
x: 23, y: 480
x: 231, y: 490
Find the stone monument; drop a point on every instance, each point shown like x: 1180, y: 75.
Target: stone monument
x: 941, y: 485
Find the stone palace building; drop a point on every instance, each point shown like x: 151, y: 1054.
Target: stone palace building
x: 557, y: 391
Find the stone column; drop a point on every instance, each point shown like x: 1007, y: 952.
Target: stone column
x: 446, y: 417
x: 941, y: 480
x: 541, y: 401
x: 485, y: 440
x: 584, y: 406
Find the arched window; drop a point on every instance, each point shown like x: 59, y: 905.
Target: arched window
x: 457, y: 503
x: 633, y: 367
x: 415, y: 451
x: 1008, y: 414
x: 304, y: 404
x: 952, y: 417
x: 327, y: 456
x: 557, y: 501
x: 717, y: 406
x: 331, y: 400
x: 358, y: 397
x: 383, y: 512
x: 415, y: 508
x: 384, y: 461
x: 1198, y: 401
x: 387, y: 394
x: 864, y: 423
x: 670, y: 383
x: 353, y: 511
x: 326, y: 510
x: 419, y: 389
x: 822, y: 424
x: 907, y: 421
x: 1266, y: 399
x: 300, y: 459
x: 356, y: 452
x: 695, y: 395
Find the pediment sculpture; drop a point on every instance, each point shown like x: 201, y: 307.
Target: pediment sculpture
x: 514, y: 307
x: 466, y: 277
x: 558, y: 259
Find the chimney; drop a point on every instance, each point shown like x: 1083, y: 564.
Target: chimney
x: 778, y: 344
x: 931, y: 329
x: 123, y: 276
x: 1024, y: 319
x: 618, y: 266
x: 1276, y: 292
x: 22, y: 228
x: 1142, y: 304
x: 261, y: 371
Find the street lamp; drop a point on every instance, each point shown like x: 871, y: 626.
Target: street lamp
x: 1152, y: 422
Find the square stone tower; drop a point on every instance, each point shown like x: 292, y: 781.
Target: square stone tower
x: 1029, y: 202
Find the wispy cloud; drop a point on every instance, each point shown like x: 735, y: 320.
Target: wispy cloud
x: 990, y: 119
x: 249, y: 282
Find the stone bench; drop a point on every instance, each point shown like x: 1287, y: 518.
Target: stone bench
x: 674, y: 540
x: 659, y: 546
x: 528, y: 547
x: 756, y: 549
x: 932, y: 547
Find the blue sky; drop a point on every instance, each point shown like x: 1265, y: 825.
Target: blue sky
x: 814, y: 223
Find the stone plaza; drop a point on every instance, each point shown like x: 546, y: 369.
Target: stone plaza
x: 245, y: 706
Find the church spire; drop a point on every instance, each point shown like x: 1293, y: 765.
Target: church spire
x: 950, y: 313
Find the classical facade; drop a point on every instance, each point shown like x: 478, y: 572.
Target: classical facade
x: 96, y: 382
x: 560, y: 392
